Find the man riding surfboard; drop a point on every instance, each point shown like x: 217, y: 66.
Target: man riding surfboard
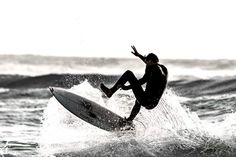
x: 155, y: 78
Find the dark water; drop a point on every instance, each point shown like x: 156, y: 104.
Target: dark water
x: 196, y: 116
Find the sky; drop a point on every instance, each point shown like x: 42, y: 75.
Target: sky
x: 202, y: 29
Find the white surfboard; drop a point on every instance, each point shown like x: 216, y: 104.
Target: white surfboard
x: 88, y: 110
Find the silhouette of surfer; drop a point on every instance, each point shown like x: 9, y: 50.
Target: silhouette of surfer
x: 155, y: 78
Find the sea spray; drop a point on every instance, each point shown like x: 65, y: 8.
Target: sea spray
x: 225, y: 129
x: 169, y: 129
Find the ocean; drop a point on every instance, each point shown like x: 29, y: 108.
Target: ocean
x: 196, y: 116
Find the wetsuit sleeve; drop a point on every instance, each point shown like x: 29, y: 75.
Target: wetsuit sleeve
x: 142, y: 58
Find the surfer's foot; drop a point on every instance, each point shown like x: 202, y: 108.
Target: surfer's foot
x: 124, y: 122
x: 106, y: 90
x: 126, y: 125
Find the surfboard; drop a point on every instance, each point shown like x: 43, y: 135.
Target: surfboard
x: 88, y: 110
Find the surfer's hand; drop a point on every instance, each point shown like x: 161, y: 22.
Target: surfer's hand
x: 135, y: 52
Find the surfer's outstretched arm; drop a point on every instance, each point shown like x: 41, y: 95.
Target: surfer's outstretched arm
x: 135, y: 52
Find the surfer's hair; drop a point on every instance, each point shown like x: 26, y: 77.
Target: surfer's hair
x: 152, y: 57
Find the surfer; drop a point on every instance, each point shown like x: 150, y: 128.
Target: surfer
x: 155, y: 78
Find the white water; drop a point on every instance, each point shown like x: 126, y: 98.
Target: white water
x: 169, y: 122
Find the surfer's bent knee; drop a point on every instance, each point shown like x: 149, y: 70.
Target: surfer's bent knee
x: 129, y: 72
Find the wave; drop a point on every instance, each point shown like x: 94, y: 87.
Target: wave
x: 28, y: 149
x: 58, y: 80
x: 204, y: 87
x: 209, y: 147
x: 169, y: 130
x: 188, y: 87
x: 202, y: 64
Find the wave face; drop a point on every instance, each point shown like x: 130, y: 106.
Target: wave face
x: 195, y: 117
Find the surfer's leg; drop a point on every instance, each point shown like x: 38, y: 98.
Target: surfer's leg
x: 134, y: 111
x: 106, y: 90
x: 128, y: 76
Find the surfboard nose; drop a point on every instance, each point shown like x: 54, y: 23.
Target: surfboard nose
x: 51, y: 89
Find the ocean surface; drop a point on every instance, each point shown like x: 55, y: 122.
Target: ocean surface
x: 196, y: 116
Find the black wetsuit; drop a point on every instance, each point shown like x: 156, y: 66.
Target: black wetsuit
x: 155, y: 78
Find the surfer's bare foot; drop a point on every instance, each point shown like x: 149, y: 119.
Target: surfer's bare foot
x: 106, y: 90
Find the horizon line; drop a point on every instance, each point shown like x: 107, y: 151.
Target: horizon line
x: 105, y: 57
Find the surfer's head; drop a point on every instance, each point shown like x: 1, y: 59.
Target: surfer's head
x: 151, y: 58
